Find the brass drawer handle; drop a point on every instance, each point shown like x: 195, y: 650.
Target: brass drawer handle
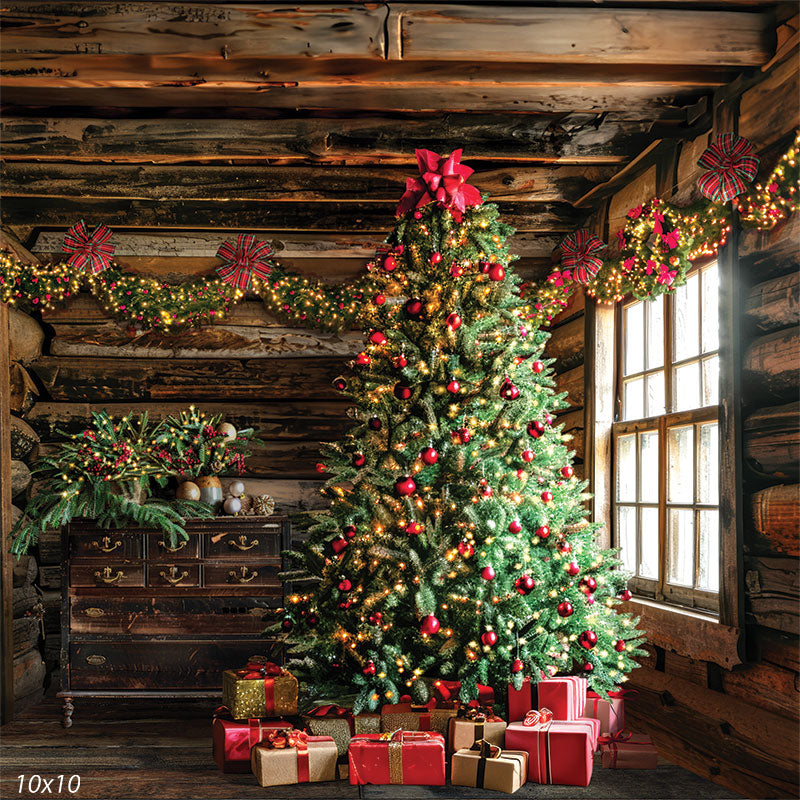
x: 107, y: 577
x: 242, y: 543
x: 94, y: 612
x: 162, y: 543
x: 106, y: 546
x: 96, y: 661
x: 243, y: 577
x: 173, y: 576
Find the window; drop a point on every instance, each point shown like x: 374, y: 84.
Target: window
x: 666, y: 444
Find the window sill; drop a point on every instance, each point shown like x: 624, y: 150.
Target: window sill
x: 688, y: 633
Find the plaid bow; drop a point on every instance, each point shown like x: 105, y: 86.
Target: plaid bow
x: 578, y: 254
x: 244, y: 260
x: 93, y: 251
x: 731, y: 165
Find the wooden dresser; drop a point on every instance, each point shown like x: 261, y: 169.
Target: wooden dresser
x: 140, y: 619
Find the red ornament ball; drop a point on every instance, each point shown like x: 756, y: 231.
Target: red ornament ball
x: 349, y: 531
x: 286, y: 624
x: 340, y: 384
x: 359, y: 459
x: 535, y: 428
x: 572, y: 568
x: 320, y: 467
x: 528, y: 455
x: 589, y: 599
x: 515, y: 526
x: 413, y: 528
x: 369, y: 668
x: 429, y: 456
x: 390, y: 263
x: 524, y: 584
x: 489, y: 638
x: 486, y: 491
x: 345, y: 585
x: 453, y: 321
x: 339, y: 544
x: 379, y: 299
x: 414, y: 307
x: 567, y: 471
x: 488, y: 573
x: 417, y: 214
x: 547, y: 496
x: 402, y: 391
x: 400, y: 361
x: 496, y: 272
x: 565, y: 548
x: 363, y: 360
x: 405, y: 486
x: 517, y: 665
x: 375, y: 424
x: 588, y: 584
x: 376, y: 618
x: 588, y: 666
x: 619, y: 645
x: 430, y: 625
x: 625, y: 594
x: 543, y: 531
x: 537, y: 366
x: 587, y: 639
x: 378, y: 337
x: 454, y: 387
x: 565, y: 609
x: 461, y: 436
x: 466, y: 548
x: 508, y: 391
x: 312, y: 619
x: 436, y: 258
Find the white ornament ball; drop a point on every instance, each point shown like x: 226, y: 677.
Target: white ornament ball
x: 233, y: 505
x: 236, y: 488
x: 228, y: 431
x: 491, y: 524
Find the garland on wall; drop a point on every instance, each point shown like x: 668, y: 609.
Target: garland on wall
x: 652, y: 254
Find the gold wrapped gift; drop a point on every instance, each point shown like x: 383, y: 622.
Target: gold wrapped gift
x: 410, y: 717
x: 367, y: 723
x: 286, y: 757
x: 260, y: 690
x: 340, y: 724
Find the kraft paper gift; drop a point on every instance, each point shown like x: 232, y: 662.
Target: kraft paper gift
x: 287, y: 757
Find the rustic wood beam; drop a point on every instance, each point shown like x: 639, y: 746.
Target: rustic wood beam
x: 6, y: 560
x: 592, y: 138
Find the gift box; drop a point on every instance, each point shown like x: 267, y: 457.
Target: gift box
x: 486, y: 766
x: 334, y: 721
x: 628, y: 751
x: 286, y: 757
x: 610, y: 712
x: 474, y: 725
x: 232, y: 739
x: 447, y: 691
x: 559, y: 751
x: 260, y: 690
x: 406, y: 757
x: 367, y: 722
x: 564, y: 695
x: 520, y: 701
x: 412, y: 717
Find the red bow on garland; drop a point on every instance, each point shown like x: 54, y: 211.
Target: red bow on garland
x: 731, y: 164
x: 442, y: 180
x: 578, y: 251
x: 94, y: 251
x: 244, y: 260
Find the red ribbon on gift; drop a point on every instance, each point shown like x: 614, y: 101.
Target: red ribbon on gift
x: 537, y: 717
x: 280, y: 740
x: 332, y: 710
x: 613, y: 740
x: 256, y: 670
x: 442, y: 180
x: 93, y: 251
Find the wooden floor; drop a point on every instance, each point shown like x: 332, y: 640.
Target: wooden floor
x: 138, y: 750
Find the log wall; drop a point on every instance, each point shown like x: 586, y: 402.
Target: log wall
x: 739, y: 727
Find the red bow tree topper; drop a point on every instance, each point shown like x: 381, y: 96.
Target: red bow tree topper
x: 443, y: 180
x: 93, y: 251
x: 579, y: 254
x: 731, y: 164
x: 242, y: 261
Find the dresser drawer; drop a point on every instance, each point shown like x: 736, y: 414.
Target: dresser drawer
x: 167, y: 575
x: 256, y: 572
x: 198, y: 616
x: 163, y: 665
x: 160, y: 550
x: 106, y: 544
x: 110, y: 575
x: 264, y: 541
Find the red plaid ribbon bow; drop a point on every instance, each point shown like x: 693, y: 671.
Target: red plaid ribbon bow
x: 442, y: 180
x: 731, y: 164
x: 578, y: 254
x: 248, y: 257
x: 93, y: 251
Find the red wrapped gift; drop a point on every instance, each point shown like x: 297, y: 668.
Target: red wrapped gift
x: 610, y: 712
x: 448, y: 690
x: 628, y: 751
x: 559, y: 751
x: 232, y: 740
x: 409, y: 757
x: 564, y: 695
x: 520, y: 701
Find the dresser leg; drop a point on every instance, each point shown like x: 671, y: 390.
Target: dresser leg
x: 67, y: 711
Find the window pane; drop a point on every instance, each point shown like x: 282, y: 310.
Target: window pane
x: 711, y: 381
x: 655, y: 394
x: 686, y: 320
x: 626, y: 536
x: 648, y: 558
x: 626, y: 468
x: 633, y: 404
x: 680, y: 465
x: 634, y: 338
x: 686, y: 386
x: 680, y: 546
x: 648, y: 467
x: 708, y: 464
x: 655, y: 332
x: 710, y: 278
x: 708, y: 573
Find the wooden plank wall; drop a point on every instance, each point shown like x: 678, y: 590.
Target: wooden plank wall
x: 739, y: 727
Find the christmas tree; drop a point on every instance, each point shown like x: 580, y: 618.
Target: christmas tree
x: 456, y: 544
